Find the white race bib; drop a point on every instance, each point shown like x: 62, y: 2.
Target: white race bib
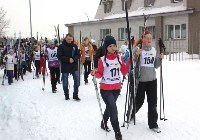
x: 111, y: 74
x: 23, y: 57
x: 37, y: 55
x: 147, y: 58
x: 10, y: 60
x: 52, y: 54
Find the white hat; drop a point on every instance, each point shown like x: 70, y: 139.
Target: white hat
x: 51, y: 42
x: 92, y: 41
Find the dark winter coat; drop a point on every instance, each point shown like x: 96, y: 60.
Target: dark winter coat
x: 99, y: 54
x: 64, y: 53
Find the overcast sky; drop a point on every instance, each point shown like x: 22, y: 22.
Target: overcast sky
x: 46, y: 14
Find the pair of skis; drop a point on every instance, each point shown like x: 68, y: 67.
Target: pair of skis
x: 57, y: 30
x: 130, y: 95
x: 34, y: 69
x: 4, y: 75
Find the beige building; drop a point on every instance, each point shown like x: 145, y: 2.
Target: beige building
x: 173, y: 20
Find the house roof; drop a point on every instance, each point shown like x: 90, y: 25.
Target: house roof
x: 162, y: 11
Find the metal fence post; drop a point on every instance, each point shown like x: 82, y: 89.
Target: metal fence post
x: 179, y: 52
x: 173, y: 50
x: 182, y: 50
x: 170, y: 57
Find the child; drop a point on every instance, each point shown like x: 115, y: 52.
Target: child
x: 148, y: 61
x: 10, y: 60
x: 109, y: 67
x: 36, y: 59
x: 54, y: 65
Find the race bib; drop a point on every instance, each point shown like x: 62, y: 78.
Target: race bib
x: 147, y: 58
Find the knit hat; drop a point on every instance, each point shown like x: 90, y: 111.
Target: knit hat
x: 11, y: 51
x: 108, y: 41
x: 92, y: 41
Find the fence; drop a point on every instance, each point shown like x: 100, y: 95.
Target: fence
x: 183, y: 49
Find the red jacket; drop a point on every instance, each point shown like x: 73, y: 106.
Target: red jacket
x: 124, y: 70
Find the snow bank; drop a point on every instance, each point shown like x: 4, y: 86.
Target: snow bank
x: 28, y: 113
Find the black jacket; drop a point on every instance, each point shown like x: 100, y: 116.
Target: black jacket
x: 64, y: 53
x: 100, y: 52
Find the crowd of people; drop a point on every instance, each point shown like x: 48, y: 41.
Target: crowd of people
x: 104, y: 62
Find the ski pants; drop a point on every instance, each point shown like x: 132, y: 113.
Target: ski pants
x: 28, y: 65
x: 10, y: 76
x: 87, y: 68
x: 55, y: 75
x: 37, y: 66
x: 110, y: 98
x: 150, y: 88
x: 15, y: 71
x: 23, y: 67
x: 65, y: 77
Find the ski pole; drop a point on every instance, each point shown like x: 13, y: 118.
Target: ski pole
x: 98, y: 99
x: 162, y: 100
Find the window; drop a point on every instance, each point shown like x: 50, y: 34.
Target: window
x: 107, y: 5
x: 151, y: 29
x: 176, y: 1
x: 183, y: 31
x: 122, y: 33
x: 149, y: 3
x: 129, y: 4
x: 104, y: 33
x: 176, y: 31
x: 171, y: 31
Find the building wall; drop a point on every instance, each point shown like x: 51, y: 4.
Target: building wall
x: 93, y: 30
x: 164, y: 3
x: 71, y: 29
x: 175, y: 20
x: 117, y: 6
x: 194, y: 27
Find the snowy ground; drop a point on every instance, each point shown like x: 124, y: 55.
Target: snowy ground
x: 28, y: 113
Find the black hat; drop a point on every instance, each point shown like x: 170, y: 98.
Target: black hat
x: 108, y: 41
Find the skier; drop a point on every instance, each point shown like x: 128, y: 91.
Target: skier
x: 86, y: 57
x: 15, y: 64
x: 94, y: 46
x: 36, y: 59
x: 109, y: 67
x: 68, y: 55
x: 125, y: 53
x: 149, y: 60
x: 10, y: 60
x: 23, y: 63
x: 53, y: 64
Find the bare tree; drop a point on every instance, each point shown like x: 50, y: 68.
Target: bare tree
x: 4, y: 23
